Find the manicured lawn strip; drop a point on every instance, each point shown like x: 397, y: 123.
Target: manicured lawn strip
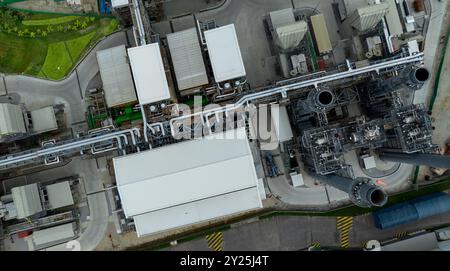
x: 57, y: 63
x: 78, y: 45
x: 17, y: 55
x: 51, y: 21
x: 24, y: 49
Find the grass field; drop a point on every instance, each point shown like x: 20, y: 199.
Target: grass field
x: 58, y: 61
x: 78, y: 45
x: 50, y: 21
x: 48, y: 50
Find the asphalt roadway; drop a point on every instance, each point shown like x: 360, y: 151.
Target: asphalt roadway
x: 287, y: 233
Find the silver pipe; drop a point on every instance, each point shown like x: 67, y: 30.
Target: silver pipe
x: 312, y: 82
x: 425, y: 159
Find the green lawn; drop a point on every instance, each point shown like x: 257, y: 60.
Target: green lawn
x: 48, y: 50
x: 58, y: 62
x: 78, y: 45
x: 50, y: 21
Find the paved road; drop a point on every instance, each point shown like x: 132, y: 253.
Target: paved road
x: 299, y: 232
x: 36, y: 92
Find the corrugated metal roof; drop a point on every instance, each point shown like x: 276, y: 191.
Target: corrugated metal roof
x: 116, y: 76
x: 188, y: 182
x: 59, y: 195
x: 27, y: 200
x: 44, y: 119
x: 11, y: 119
x: 393, y: 19
x: 290, y: 36
x: 224, y: 53
x: 187, y: 59
x: 282, y: 17
x: 321, y: 33
x: 53, y: 234
x: 367, y: 17
x: 149, y: 73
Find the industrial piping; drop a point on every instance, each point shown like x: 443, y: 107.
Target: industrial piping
x: 424, y: 159
x: 362, y: 191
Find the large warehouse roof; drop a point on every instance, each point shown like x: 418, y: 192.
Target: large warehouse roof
x: 187, y: 59
x: 189, y: 182
x: 11, y: 119
x: 27, y: 200
x: 149, y: 73
x: 116, y: 76
x: 224, y: 53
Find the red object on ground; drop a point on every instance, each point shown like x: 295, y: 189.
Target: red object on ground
x: 322, y: 64
x: 24, y: 234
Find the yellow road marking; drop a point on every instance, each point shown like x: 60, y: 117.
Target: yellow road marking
x: 344, y: 225
x: 215, y: 241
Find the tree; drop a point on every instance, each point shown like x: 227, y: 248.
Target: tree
x: 20, y: 33
x: 44, y: 33
x: 60, y: 28
x: 83, y: 25
x: 32, y: 34
x: 26, y: 31
x: 49, y: 28
x: 38, y: 31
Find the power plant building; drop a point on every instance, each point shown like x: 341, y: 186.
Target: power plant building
x: 187, y: 59
x: 289, y: 36
x: 367, y: 17
x: 321, y: 35
x: 116, y: 76
x: 44, y: 120
x: 188, y: 183
x: 224, y: 53
x: 11, y: 120
x: 149, y: 73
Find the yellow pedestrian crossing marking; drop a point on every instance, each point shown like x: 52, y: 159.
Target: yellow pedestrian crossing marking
x: 344, y: 225
x: 401, y: 235
x: 215, y: 241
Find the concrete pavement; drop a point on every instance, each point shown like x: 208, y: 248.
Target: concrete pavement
x: 299, y: 232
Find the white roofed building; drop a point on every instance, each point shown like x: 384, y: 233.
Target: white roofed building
x: 11, y: 120
x: 44, y: 120
x: 27, y: 200
x: 188, y: 183
x: 224, y: 53
x: 116, y: 76
x: 149, y: 73
x: 187, y: 59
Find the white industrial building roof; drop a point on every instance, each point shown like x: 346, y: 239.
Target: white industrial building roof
x: 224, y: 53
x: 119, y: 3
x: 189, y: 182
x: 187, y: 59
x: 289, y: 36
x: 393, y: 19
x: 149, y: 73
x: 281, y: 123
x: 282, y: 17
x: 53, y: 234
x: 44, y: 119
x: 27, y: 200
x: 11, y: 119
x: 59, y: 195
x: 116, y: 76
